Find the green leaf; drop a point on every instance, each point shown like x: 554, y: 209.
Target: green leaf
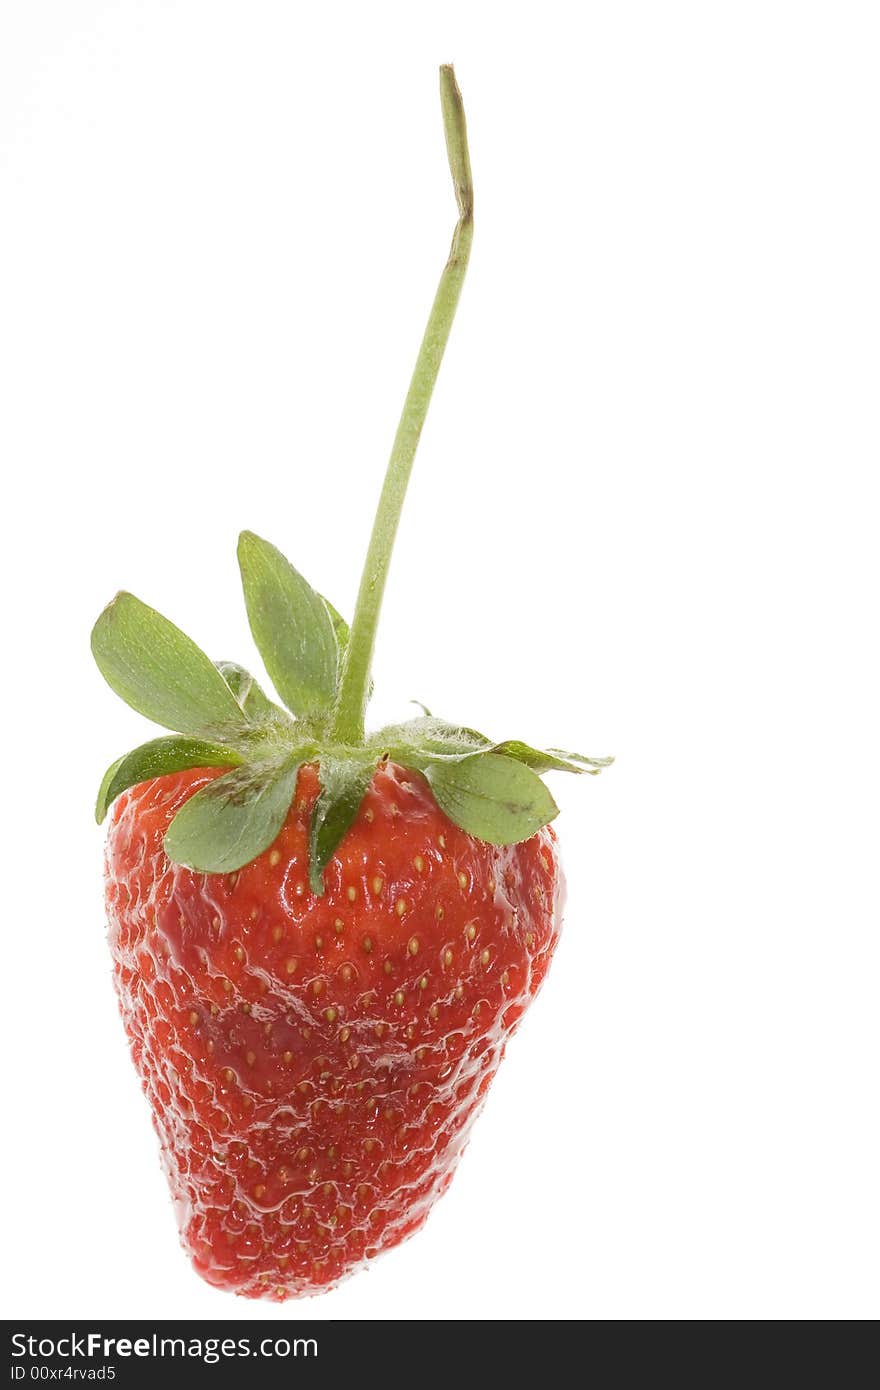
x: 551, y: 759
x: 492, y: 797
x: 292, y: 627
x: 160, y: 672
x: 343, y: 784
x: 155, y: 759
x: 247, y: 692
x: 228, y: 823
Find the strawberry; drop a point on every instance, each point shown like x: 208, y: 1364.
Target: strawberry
x: 314, y: 1063
x: 322, y: 936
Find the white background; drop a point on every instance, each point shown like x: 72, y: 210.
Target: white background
x: 643, y: 521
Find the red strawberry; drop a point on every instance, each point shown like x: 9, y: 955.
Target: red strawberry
x: 314, y: 1063
x: 323, y: 937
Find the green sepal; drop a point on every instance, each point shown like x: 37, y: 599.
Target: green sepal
x: 343, y: 785
x: 343, y: 633
x: 493, y: 797
x: 155, y: 759
x: 161, y: 673
x: 249, y: 694
x: 291, y: 625
x: 427, y: 740
x: 341, y: 628
x: 551, y: 759
x: 234, y: 819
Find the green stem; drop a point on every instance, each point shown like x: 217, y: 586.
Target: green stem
x: 353, y: 690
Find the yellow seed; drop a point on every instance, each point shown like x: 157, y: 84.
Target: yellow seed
x: 471, y: 932
x: 368, y: 816
x: 275, y: 857
x: 438, y: 912
x: 317, y: 986
x: 367, y: 944
x: 215, y: 923
x: 228, y: 1075
x: 345, y: 1034
x: 400, y: 906
x: 287, y: 1058
x: 330, y: 1015
x: 250, y: 1058
x: 290, y: 967
x: 387, y: 967
x: 413, y: 946
x: 423, y: 982
x: 277, y: 933
x: 379, y: 1029
x: 259, y: 1191
x: 193, y: 1018
x: 441, y: 840
x: 418, y: 863
x: 433, y: 1011
x: 354, y: 1061
x: 238, y: 953
x: 319, y: 942
x: 484, y: 957
x: 351, y: 893
x: 459, y: 991
x: 447, y: 956
x: 338, y: 925
x: 215, y: 1010
x: 505, y: 978
x: 377, y: 885
x: 398, y: 998
x: 245, y: 1008
x: 227, y: 985
x: 462, y: 880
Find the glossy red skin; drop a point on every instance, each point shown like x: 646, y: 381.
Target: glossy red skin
x: 314, y: 1064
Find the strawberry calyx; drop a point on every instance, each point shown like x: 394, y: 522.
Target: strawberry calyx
x: 220, y: 717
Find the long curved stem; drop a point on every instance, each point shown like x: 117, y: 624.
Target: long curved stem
x: 348, y: 724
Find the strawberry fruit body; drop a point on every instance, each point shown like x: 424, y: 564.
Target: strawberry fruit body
x: 323, y: 936
x: 314, y: 1063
